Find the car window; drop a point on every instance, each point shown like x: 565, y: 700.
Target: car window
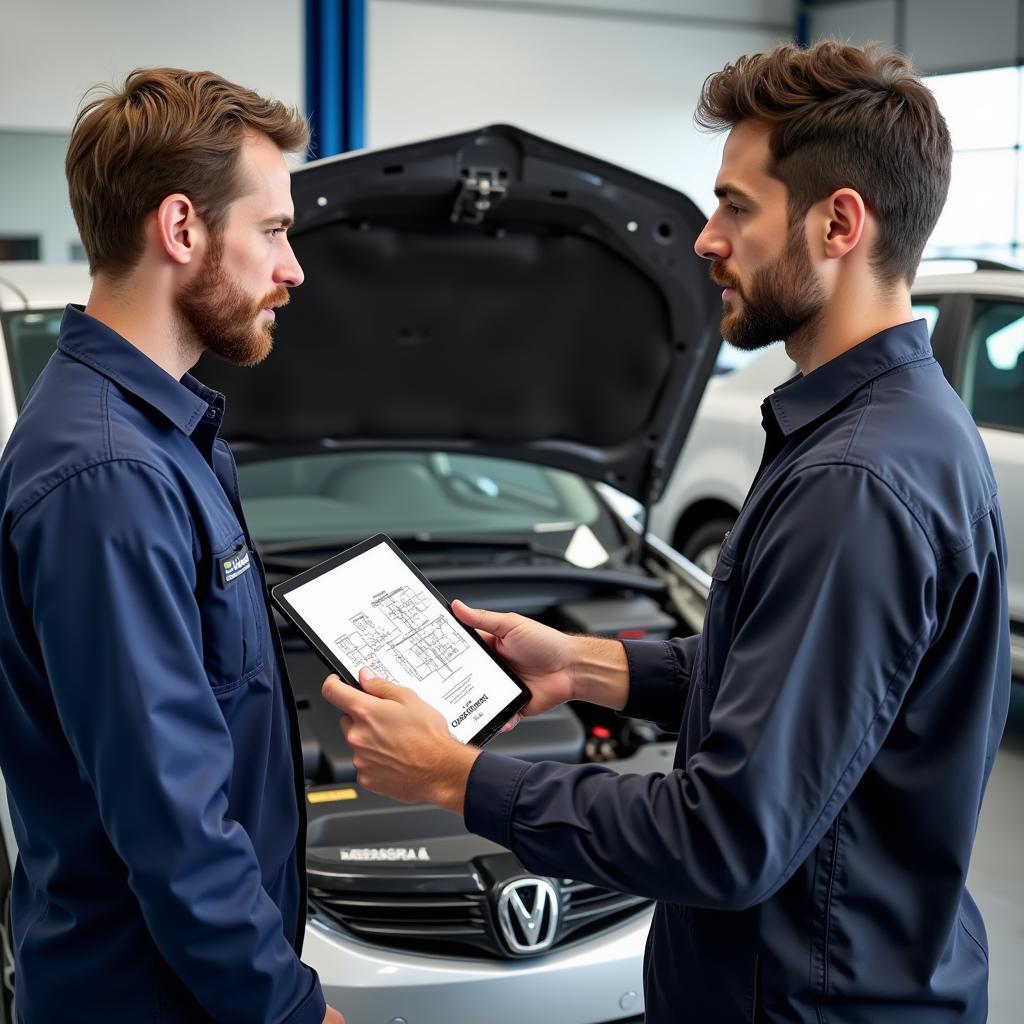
x: 31, y: 340
x: 731, y: 358
x: 993, y: 367
x: 927, y: 310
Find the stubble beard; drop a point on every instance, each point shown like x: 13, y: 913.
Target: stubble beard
x: 219, y: 317
x: 784, y: 301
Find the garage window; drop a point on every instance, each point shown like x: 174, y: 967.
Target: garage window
x: 984, y: 213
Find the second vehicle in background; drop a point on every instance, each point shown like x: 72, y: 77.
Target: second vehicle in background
x: 976, y: 321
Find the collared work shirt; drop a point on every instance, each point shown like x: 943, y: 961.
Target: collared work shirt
x: 149, y: 734
x: 838, y: 718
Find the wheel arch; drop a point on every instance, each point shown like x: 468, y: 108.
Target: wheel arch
x: 701, y: 511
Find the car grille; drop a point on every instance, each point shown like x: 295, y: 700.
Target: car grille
x: 461, y: 923
x: 406, y: 920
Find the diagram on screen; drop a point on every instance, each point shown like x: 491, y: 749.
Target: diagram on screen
x: 398, y: 629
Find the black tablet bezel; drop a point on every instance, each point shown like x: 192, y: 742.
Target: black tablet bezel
x: 281, y: 590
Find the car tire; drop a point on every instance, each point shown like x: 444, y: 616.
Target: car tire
x: 703, y: 545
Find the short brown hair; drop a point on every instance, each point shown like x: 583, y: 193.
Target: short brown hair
x: 164, y: 131
x: 845, y: 116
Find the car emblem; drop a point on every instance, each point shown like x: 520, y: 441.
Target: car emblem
x: 528, y: 915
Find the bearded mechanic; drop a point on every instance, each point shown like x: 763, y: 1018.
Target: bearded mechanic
x: 150, y: 739
x: 840, y: 712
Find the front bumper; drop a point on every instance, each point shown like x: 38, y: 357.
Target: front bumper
x: 597, y: 980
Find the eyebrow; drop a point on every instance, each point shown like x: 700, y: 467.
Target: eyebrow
x: 282, y: 219
x: 724, y: 191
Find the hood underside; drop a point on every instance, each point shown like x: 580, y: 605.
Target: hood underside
x: 490, y: 292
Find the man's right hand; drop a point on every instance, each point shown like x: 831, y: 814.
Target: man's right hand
x: 555, y: 666
x: 333, y: 1017
x: 541, y: 656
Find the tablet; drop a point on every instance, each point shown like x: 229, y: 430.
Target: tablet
x: 370, y: 606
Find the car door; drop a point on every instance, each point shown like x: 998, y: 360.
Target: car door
x: 989, y: 375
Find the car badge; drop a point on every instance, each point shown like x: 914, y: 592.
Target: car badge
x: 528, y: 915
x: 385, y: 853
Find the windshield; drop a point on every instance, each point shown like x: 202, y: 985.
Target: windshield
x: 355, y: 494
x: 338, y: 494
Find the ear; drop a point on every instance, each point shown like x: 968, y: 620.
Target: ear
x: 845, y: 218
x: 179, y: 230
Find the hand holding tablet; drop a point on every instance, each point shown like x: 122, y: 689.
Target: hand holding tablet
x: 370, y: 606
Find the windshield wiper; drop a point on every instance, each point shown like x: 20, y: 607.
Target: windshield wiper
x: 277, y: 552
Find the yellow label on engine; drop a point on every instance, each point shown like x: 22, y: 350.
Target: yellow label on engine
x: 327, y: 796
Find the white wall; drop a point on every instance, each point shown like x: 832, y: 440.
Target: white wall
x: 746, y: 11
x: 618, y: 78
x: 859, y: 21
x: 621, y: 84
x: 52, y: 51
x: 33, y: 194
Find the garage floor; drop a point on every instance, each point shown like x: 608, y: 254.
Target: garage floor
x: 996, y: 878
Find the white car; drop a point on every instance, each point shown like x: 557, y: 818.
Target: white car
x: 976, y: 319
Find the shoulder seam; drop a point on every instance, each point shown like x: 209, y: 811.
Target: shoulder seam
x: 34, y: 499
x: 105, y: 412
x: 976, y: 517
x: 890, y: 485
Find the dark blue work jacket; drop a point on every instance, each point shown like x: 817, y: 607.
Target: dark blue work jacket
x: 149, y: 735
x: 838, y: 718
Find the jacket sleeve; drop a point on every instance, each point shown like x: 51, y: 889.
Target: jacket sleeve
x: 659, y: 676
x: 836, y: 610
x: 112, y: 598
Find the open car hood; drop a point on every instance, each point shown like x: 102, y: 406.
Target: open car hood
x: 489, y: 292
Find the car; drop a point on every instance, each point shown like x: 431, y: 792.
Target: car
x: 975, y: 313
x: 495, y: 359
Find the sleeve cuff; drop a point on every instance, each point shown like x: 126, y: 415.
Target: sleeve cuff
x: 653, y: 689
x: 491, y: 792
x: 313, y: 1008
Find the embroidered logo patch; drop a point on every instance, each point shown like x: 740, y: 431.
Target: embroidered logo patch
x: 234, y: 565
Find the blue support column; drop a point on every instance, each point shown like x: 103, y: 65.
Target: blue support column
x: 336, y: 75
x: 803, y: 28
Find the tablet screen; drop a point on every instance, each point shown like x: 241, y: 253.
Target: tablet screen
x: 369, y: 607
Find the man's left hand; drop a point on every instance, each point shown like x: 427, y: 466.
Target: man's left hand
x: 401, y: 746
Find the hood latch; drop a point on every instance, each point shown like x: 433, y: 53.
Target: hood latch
x: 479, y: 192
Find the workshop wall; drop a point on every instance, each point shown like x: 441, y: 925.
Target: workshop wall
x: 617, y: 79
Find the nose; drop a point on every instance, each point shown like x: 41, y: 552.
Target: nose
x: 711, y: 243
x: 288, y: 272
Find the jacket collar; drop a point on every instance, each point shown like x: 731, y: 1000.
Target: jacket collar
x: 185, y: 403
x: 802, y: 400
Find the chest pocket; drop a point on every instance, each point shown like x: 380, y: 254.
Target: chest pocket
x: 719, y: 619
x: 233, y: 619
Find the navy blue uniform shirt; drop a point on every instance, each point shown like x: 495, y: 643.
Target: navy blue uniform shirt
x: 838, y: 718
x: 149, y: 734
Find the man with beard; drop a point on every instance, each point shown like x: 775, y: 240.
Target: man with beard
x: 839, y: 714
x: 149, y: 737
